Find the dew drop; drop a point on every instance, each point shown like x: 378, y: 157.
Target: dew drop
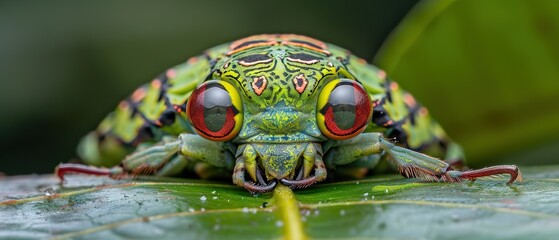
x: 316, y: 212
x: 49, y: 192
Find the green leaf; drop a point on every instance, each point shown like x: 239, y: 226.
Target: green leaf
x: 491, y: 64
x: 381, y: 207
x: 487, y: 70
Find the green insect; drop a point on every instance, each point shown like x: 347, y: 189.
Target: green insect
x: 272, y: 109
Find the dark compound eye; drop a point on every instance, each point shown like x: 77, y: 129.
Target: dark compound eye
x: 344, y: 109
x: 214, y: 110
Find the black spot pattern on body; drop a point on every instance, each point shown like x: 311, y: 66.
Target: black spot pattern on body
x: 388, y: 90
x: 168, y: 117
x: 164, y: 86
x: 304, y: 57
x: 254, y: 58
x: 380, y: 116
x: 413, y: 113
x: 259, y: 82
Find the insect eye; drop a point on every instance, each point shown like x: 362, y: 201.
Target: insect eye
x: 344, y: 109
x: 215, y: 111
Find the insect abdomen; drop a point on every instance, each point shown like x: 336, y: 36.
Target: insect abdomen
x: 150, y: 112
x: 397, y: 114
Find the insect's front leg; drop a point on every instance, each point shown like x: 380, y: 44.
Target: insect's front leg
x: 167, y: 158
x: 408, y: 162
x: 246, y: 163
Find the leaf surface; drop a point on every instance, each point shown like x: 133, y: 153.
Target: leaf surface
x: 384, y: 207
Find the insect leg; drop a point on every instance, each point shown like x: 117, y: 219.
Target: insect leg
x: 145, y: 160
x: 408, y: 162
x: 246, y: 162
x: 172, y: 157
x: 64, y: 168
x: 418, y: 165
x: 312, y: 159
x: 173, y: 166
x: 165, y: 158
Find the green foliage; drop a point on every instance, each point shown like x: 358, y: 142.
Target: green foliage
x: 380, y: 207
x: 487, y: 70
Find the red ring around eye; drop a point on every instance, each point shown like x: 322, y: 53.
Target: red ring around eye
x: 214, y: 110
x: 344, y: 109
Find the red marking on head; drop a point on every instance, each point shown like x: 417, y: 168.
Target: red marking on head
x: 308, y: 47
x: 304, y: 41
x: 295, y: 37
x: 259, y: 84
x: 250, y: 42
x: 278, y: 39
x: 156, y: 83
x: 300, y: 83
x: 139, y: 94
x: 171, y: 73
x: 362, y: 61
x: 423, y: 111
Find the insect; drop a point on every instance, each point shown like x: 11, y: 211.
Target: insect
x: 271, y: 109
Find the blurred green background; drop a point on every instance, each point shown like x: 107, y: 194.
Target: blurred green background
x: 487, y: 70
x: 65, y: 64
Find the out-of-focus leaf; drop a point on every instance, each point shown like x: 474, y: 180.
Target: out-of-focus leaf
x: 488, y: 70
x: 382, y: 207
